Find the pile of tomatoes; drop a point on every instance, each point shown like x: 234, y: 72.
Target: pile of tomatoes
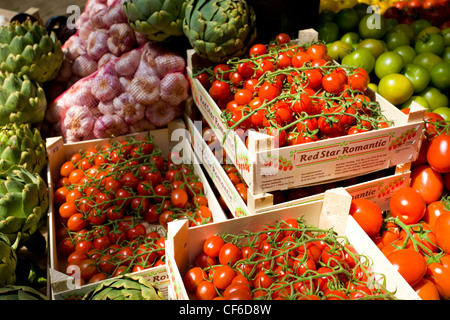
x: 285, y: 260
x: 415, y: 233
x: 293, y: 92
x: 113, y: 204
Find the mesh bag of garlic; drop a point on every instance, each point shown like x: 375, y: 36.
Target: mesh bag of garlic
x: 142, y: 90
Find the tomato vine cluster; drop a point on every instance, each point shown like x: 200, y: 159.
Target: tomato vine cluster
x: 285, y: 260
x: 114, y: 203
x: 293, y: 92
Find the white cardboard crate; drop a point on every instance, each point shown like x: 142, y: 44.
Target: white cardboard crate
x: 316, y: 162
x: 183, y: 243
x: 377, y: 190
x: 63, y: 286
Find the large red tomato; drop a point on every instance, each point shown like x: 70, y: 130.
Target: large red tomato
x: 427, y: 182
x: 438, y: 154
x: 439, y: 273
x: 407, y: 204
x: 368, y: 215
x: 442, y: 231
x: 409, y: 263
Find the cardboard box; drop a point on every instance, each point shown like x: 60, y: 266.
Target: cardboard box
x: 265, y: 168
x: 63, y: 286
x: 377, y: 190
x: 183, y: 243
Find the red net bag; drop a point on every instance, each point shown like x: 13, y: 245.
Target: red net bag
x: 144, y: 89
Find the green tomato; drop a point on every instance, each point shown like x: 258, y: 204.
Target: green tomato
x: 376, y: 46
x: 396, y: 39
x: 440, y: 75
x: 389, y: 62
x: 347, y: 19
x: 373, y: 86
x: 427, y: 60
x: 435, y: 98
x: 444, y: 112
x: 339, y: 49
x: 427, y: 30
x: 433, y: 43
x: 420, y: 100
x: 407, y: 52
x: 420, y: 24
x: 350, y: 38
x: 395, y: 88
x: 361, y: 9
x: 390, y: 23
x: 361, y: 57
x: 328, y: 32
x: 326, y: 16
x: 372, y: 26
x: 406, y: 29
x: 418, y: 75
x: 446, y: 35
x: 446, y: 54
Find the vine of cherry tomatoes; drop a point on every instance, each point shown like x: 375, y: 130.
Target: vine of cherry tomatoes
x: 286, y: 260
x: 114, y: 203
x: 293, y: 92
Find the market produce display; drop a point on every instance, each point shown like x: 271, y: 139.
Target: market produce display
x: 127, y: 69
x: 287, y: 260
x: 114, y: 204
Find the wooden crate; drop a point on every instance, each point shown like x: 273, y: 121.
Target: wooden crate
x: 7, y: 15
x: 183, y: 243
x: 377, y: 190
x: 63, y: 286
x: 265, y: 168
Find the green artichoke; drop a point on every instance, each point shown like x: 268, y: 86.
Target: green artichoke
x: 158, y: 20
x: 23, y: 146
x: 12, y: 292
x: 125, y: 287
x: 8, y: 261
x: 21, y: 100
x: 26, y: 48
x: 219, y: 29
x: 23, y: 203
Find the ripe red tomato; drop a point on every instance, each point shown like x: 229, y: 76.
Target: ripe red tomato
x: 438, y: 153
x: 193, y: 277
x: 433, y: 211
x: 428, y: 182
x: 439, y: 273
x: 229, y: 254
x: 442, y: 231
x: 426, y: 289
x: 409, y: 263
x: 407, y: 204
x: 205, y: 291
x: 212, y: 246
x: 179, y: 198
x: 222, y: 275
x: 368, y: 215
x: 219, y: 90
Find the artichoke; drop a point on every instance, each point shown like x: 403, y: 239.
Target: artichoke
x: 23, y: 146
x: 23, y: 203
x: 125, y: 287
x: 12, y: 292
x: 158, y: 20
x: 219, y: 29
x: 26, y: 48
x: 8, y: 261
x: 21, y: 100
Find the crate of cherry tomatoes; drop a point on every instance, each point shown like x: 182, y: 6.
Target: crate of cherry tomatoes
x: 111, y: 200
x: 313, y: 251
x: 288, y: 116
x: 240, y: 201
